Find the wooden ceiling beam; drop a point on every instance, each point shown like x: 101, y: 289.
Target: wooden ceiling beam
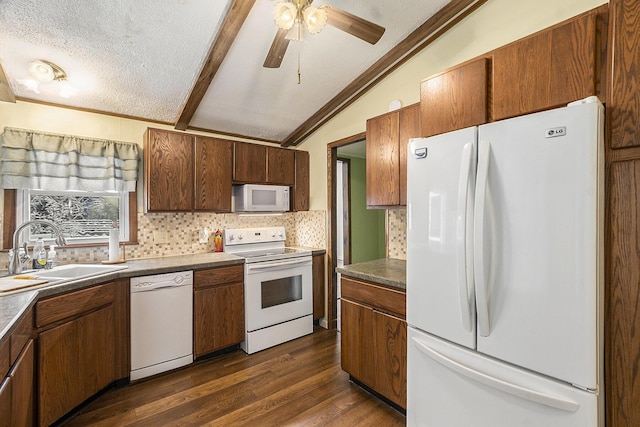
x: 233, y: 21
x: 424, y: 35
x: 6, y: 94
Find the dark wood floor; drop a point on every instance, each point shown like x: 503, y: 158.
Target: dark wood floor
x: 294, y: 384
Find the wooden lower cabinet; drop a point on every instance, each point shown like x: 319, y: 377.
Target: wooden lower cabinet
x: 374, y: 342
x: 23, y: 390
x: 218, y: 309
x: 5, y: 402
x: 357, y: 341
x: 391, y: 357
x: 78, y: 350
x: 17, y: 394
x: 75, y: 360
x: 17, y: 391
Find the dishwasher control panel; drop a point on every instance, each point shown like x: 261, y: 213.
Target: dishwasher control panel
x: 157, y: 281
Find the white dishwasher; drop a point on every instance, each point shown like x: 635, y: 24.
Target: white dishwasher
x: 161, y: 323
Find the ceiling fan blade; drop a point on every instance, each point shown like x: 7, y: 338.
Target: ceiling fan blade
x: 354, y: 25
x: 277, y: 50
x: 6, y: 94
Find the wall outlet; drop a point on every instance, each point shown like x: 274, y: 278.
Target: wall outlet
x: 160, y: 237
x: 203, y: 236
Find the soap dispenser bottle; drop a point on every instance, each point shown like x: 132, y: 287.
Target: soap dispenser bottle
x: 51, y: 257
x: 39, y: 255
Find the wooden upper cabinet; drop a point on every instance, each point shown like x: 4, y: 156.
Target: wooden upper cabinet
x: 623, y: 92
x: 281, y: 165
x: 249, y: 163
x: 168, y: 160
x: 547, y: 69
x: 213, y: 174
x: 455, y: 99
x: 383, y: 160
x: 300, y: 193
x: 387, y: 138
x: 409, y: 127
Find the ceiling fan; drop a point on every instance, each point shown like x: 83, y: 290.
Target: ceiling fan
x: 294, y: 16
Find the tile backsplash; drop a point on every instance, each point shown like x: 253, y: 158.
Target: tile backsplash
x: 302, y: 229
x: 397, y: 233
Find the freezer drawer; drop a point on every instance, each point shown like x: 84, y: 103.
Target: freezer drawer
x: 448, y: 385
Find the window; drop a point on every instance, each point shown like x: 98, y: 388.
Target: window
x: 83, y: 216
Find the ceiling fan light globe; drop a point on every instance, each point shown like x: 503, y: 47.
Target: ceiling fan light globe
x: 284, y: 13
x: 315, y: 18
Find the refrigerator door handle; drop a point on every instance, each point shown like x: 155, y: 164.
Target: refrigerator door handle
x: 463, y: 194
x: 482, y: 306
x: 517, y: 390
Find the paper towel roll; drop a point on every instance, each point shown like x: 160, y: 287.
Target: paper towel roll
x: 114, y: 244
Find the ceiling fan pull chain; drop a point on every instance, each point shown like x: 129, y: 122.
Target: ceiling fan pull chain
x: 299, y: 49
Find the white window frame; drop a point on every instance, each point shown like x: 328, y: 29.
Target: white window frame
x: 23, y: 199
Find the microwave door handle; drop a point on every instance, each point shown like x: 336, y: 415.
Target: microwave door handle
x: 277, y: 265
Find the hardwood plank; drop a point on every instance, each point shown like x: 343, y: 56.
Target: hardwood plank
x: 297, y: 383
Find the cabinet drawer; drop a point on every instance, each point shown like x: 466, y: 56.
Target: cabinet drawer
x: 72, y: 304
x: 21, y: 334
x: 376, y: 296
x: 218, y: 276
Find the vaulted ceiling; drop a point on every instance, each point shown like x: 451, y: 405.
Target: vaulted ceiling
x: 198, y: 64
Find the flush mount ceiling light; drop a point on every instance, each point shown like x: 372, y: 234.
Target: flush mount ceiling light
x: 42, y: 71
x: 45, y: 71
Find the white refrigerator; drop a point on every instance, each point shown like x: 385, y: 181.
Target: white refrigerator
x: 505, y: 272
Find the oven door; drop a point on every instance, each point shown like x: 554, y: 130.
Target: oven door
x: 277, y: 291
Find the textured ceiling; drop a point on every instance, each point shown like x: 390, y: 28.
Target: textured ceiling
x: 137, y: 58
x: 271, y: 102
x: 142, y: 58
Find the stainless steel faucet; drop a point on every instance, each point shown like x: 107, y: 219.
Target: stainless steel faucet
x: 17, y: 261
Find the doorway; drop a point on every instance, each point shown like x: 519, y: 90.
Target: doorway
x: 356, y: 234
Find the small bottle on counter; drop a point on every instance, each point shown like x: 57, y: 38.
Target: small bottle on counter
x: 39, y: 255
x: 51, y: 257
x: 217, y: 240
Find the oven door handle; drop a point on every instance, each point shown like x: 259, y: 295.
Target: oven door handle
x: 277, y: 265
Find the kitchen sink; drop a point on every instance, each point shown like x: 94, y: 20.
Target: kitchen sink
x: 76, y: 271
x: 58, y: 275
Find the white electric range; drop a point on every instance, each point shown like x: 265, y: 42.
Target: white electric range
x: 278, y: 290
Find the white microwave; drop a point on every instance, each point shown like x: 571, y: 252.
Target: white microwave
x: 261, y: 198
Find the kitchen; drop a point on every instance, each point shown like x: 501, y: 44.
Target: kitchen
x: 308, y: 228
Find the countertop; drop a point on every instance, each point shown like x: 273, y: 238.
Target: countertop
x: 388, y: 271
x: 13, y: 305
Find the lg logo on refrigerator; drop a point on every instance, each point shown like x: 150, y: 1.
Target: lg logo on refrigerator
x: 553, y: 132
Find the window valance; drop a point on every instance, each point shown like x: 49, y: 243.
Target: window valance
x: 43, y: 161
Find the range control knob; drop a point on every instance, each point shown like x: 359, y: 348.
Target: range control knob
x: 231, y: 237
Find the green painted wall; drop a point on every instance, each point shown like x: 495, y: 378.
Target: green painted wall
x: 367, y: 225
